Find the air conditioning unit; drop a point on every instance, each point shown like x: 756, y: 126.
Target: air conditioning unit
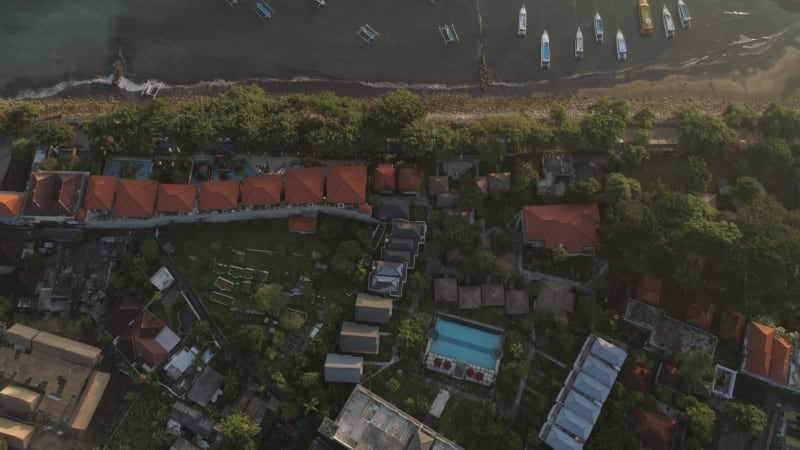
x: 340, y: 205
x: 310, y: 204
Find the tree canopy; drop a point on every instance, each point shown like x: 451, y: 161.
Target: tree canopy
x: 22, y: 150
x: 702, y: 134
x: 619, y: 187
x: 744, y: 418
x: 54, y: 133
x: 239, y: 433
x: 747, y: 189
x: 271, y: 298
x: 390, y: 113
x: 605, y: 123
x: 14, y: 120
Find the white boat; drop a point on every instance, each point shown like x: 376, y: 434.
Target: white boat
x: 598, y: 27
x: 522, y: 27
x: 669, y: 24
x: 622, y: 49
x: 449, y: 33
x: 545, y: 50
x: 683, y: 13
x: 579, y: 44
x: 263, y: 10
x: 367, y: 33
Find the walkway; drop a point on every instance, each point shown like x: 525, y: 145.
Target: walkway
x: 523, y: 381
x: 552, y: 360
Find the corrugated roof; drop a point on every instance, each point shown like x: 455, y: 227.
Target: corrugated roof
x: 84, y: 354
x: 261, y: 191
x: 608, y: 352
x: 384, y: 180
x: 469, y: 297
x: 493, y: 295
x: 582, y: 406
x: 590, y: 387
x: 408, y: 180
x: 517, y: 302
x: 135, y: 198
x: 599, y: 370
x: 176, y: 198
x: 219, y: 195
x: 304, y: 185
x: 347, y: 184
x: 18, y: 433
x: 10, y: 204
x: 573, y: 227
x: 100, y: 191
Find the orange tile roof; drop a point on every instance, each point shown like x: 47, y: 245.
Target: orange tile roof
x: 668, y: 375
x: 636, y: 378
x: 261, y: 191
x: 347, y: 184
x: 759, y: 348
x: 781, y: 360
x: 365, y: 208
x: 572, y: 226
x: 176, y: 198
x: 304, y: 185
x: 649, y: 289
x: 408, y: 179
x: 100, y: 193
x: 10, y: 204
x: 384, y: 180
x: 53, y: 194
x: 654, y: 430
x: 700, y: 315
x: 732, y: 326
x: 300, y: 224
x: 219, y: 195
x: 135, y: 198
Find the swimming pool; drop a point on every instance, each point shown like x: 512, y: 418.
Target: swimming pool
x: 140, y: 168
x: 466, y: 343
x: 245, y: 169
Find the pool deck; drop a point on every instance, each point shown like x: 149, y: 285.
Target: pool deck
x: 461, y: 369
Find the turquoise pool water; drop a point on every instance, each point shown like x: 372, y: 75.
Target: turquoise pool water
x: 143, y: 168
x: 247, y: 170
x: 466, y: 344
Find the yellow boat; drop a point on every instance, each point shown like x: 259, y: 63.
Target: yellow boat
x: 645, y: 17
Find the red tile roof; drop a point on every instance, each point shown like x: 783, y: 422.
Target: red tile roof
x: 384, y: 180
x: 261, y: 191
x: 365, y: 208
x: 732, y: 326
x: 138, y: 341
x: 572, y: 226
x: 668, y: 375
x: 219, y: 195
x: 780, y: 361
x: 304, y: 185
x: 654, y: 430
x: 759, y: 348
x: 700, y: 315
x: 300, y: 224
x: 636, y: 378
x: 10, y: 204
x: 135, y: 198
x: 649, y: 289
x: 347, y: 184
x: 408, y: 180
x: 53, y: 194
x: 176, y: 198
x: 100, y: 193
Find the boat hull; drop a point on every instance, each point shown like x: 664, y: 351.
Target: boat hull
x: 598, y: 28
x: 545, y: 57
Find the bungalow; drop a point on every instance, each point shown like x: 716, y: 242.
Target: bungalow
x: 391, y: 208
x: 207, y: 388
x: 447, y: 200
x: 649, y: 290
x: 347, y: 184
x: 135, y: 198
x: 768, y: 356
x: 100, y: 191
x: 184, y: 416
x: 176, y: 198
x: 10, y: 205
x: 445, y: 290
x: 554, y: 298
x: 359, y: 338
x: 261, y: 191
x: 493, y: 295
x: 402, y: 244
x: 384, y: 182
x: 304, y: 185
x: 700, y: 314
x: 517, y: 302
x: 399, y: 256
x: 498, y: 182
x: 732, y: 326
x: 343, y: 368
x: 571, y: 227
x: 219, y: 195
x: 147, y: 341
x: 438, y: 185
x: 54, y: 196
x: 408, y: 181
x: 410, y: 229
x: 469, y: 297
x: 372, y: 309
x: 387, y: 278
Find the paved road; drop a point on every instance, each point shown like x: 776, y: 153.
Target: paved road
x: 55, y: 234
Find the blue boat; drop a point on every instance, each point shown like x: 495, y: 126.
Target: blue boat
x: 263, y: 10
x: 683, y: 13
x: 598, y: 27
x: 545, y: 50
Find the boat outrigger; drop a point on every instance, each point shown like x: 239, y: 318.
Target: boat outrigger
x: 579, y: 44
x: 449, y: 33
x: 645, y: 18
x: 598, y: 27
x: 263, y: 10
x: 522, y: 27
x: 152, y: 88
x: 622, y: 49
x: 669, y: 24
x: 367, y: 33
x: 545, y: 50
x: 683, y: 13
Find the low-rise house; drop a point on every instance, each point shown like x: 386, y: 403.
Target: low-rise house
x: 10, y: 206
x: 18, y: 435
x: 147, y: 341
x: 399, y: 256
x: 493, y: 295
x: 385, y: 180
x: 571, y: 227
x: 387, y: 278
x: 19, y: 401
x: 517, y: 302
x: 304, y: 185
x: 347, y: 184
x: 100, y: 191
x: 666, y: 333
x: 182, y: 444
x: 359, y: 338
x: 438, y: 185
x: 184, y: 416
x: 447, y: 200
x: 11, y: 255
x: 554, y: 298
x: 135, y: 199
x: 176, y: 198
x: 402, y: 244
x: 732, y: 326
x: 207, y: 388
x: 700, y: 315
x: 392, y: 208
x: 445, y: 290
x: 649, y: 290
x: 343, y: 368
x: 219, y: 195
x: 408, y: 181
x: 768, y: 356
x: 372, y: 309
x: 656, y: 431
x: 469, y: 297
x: 498, y: 182
x: 264, y: 190
x: 410, y: 229
x: 54, y: 196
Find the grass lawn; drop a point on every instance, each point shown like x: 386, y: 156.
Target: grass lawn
x: 146, y: 425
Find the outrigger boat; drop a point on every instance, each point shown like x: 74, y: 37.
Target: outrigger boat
x: 449, y: 33
x: 683, y: 13
x: 367, y: 33
x: 579, y: 44
x: 522, y: 27
x: 598, y: 27
x: 622, y: 49
x: 263, y: 10
x: 545, y: 50
x: 152, y: 88
x: 645, y: 18
x: 669, y: 24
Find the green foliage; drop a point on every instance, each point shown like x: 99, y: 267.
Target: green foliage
x: 144, y: 425
x: 701, y: 418
x: 310, y: 380
x: 5, y: 305
x: 482, y: 264
x: 49, y: 163
x: 390, y: 113
x: 149, y: 249
x: 698, y: 177
x: 239, y: 432
x: 393, y: 385
x: 239, y: 115
x: 583, y: 191
x: 33, y: 262
x: 16, y: 119
x: 54, y: 133
x: 643, y: 119
x: 411, y: 333
x: 569, y: 135
x: 743, y: 418
x: 780, y: 121
x: 747, y: 189
x: 461, y: 235
x: 419, y: 137
x: 271, y: 299
x: 249, y: 337
x: 280, y: 381
x: 605, y: 123
x: 771, y: 157
x: 524, y: 177
x: 740, y: 117
x: 292, y: 321
x: 22, y: 150
x: 470, y: 196
x: 695, y: 367
x: 612, y: 431
x: 557, y: 114
x: 703, y: 135
x: 619, y: 187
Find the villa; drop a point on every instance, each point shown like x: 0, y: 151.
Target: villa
x: 571, y: 227
x: 54, y: 196
x: 464, y: 349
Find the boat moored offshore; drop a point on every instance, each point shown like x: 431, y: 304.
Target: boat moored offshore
x: 669, y: 24
x: 522, y: 26
x: 622, y: 48
x: 645, y: 18
x: 683, y: 13
x: 545, y: 50
x: 598, y: 27
x: 579, y: 44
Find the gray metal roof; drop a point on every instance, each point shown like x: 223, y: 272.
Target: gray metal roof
x: 561, y: 441
x: 599, y: 370
x: 574, y: 423
x: 582, y: 406
x: 343, y: 368
x: 608, y: 352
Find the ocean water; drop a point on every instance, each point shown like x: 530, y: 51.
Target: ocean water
x: 182, y: 42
